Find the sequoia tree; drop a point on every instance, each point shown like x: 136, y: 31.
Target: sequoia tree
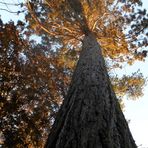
x: 90, y: 116
x: 36, y: 87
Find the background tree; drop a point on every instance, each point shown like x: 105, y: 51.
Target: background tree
x: 25, y: 91
x: 33, y: 80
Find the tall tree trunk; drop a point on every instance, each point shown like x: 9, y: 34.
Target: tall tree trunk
x: 90, y: 116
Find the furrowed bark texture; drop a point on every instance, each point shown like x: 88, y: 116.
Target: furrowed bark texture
x: 90, y: 116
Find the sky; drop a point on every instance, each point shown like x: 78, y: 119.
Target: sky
x: 136, y: 111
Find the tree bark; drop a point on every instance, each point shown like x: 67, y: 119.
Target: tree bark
x: 90, y: 116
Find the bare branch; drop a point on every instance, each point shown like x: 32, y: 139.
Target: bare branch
x: 12, y: 4
x: 9, y: 11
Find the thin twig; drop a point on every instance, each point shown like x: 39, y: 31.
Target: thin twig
x: 11, y: 11
x: 4, y: 3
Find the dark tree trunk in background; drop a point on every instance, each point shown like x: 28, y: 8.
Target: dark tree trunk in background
x: 90, y: 116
